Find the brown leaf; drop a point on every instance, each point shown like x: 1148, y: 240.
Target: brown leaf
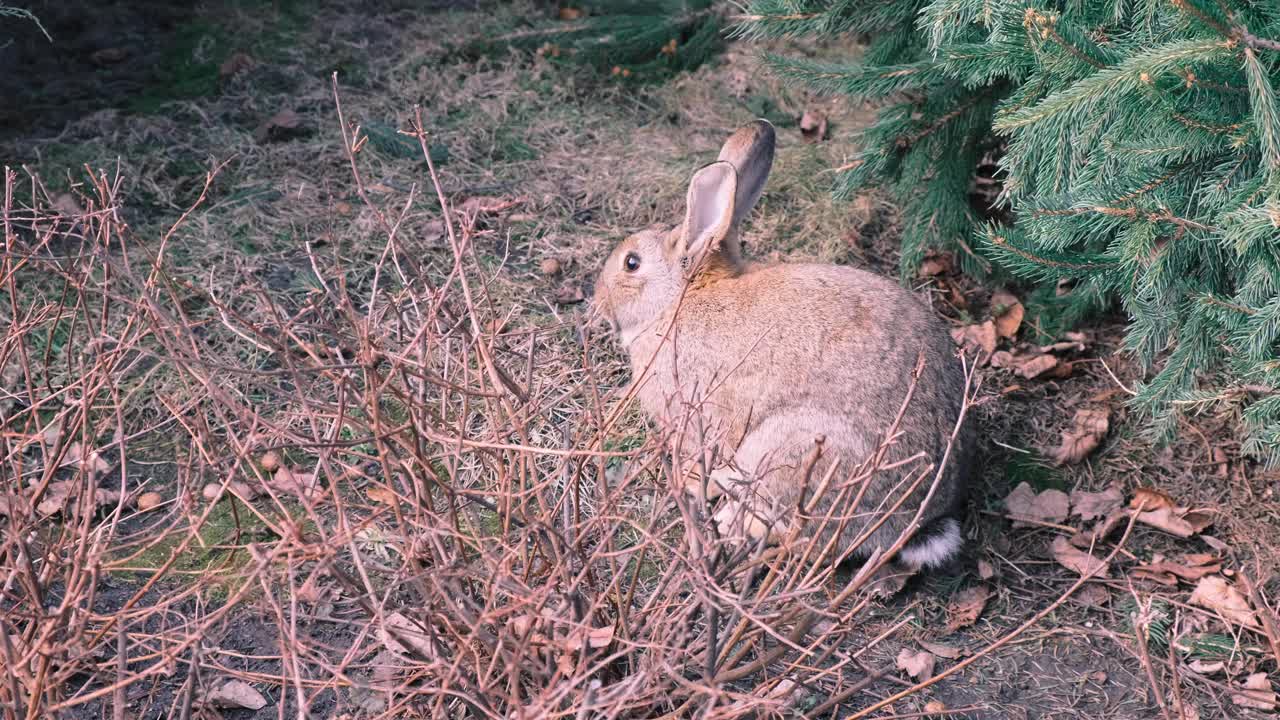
x: 1256, y: 693
x: 569, y: 295
x: 277, y: 125
x: 236, y: 694
x: 570, y: 13
x: 292, y: 481
x: 378, y: 493
x: 1007, y: 313
x: 1093, y: 595
x: 1180, y: 521
x: 1216, y: 594
x: 943, y: 651
x: 966, y: 607
x: 936, y: 707
x: 235, y: 63
x: 593, y: 638
x: 979, y: 337
x: 1089, y: 505
x: 935, y: 263
x: 403, y: 636
x: 1088, y: 428
x: 1149, y: 498
x: 1049, y: 506
x: 813, y: 126
x: 917, y: 664
x: 1077, y: 560
x: 1191, y: 568
x: 1029, y: 365
x: 1100, y: 531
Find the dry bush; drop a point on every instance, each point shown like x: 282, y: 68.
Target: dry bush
x: 432, y: 514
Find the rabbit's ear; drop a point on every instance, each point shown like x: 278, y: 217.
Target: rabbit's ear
x: 750, y: 151
x: 709, y: 217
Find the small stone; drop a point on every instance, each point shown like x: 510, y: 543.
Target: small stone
x: 211, y: 491
x: 149, y: 500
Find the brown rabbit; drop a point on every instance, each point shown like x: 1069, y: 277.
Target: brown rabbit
x: 772, y: 357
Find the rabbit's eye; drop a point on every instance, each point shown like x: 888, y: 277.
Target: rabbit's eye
x: 631, y: 262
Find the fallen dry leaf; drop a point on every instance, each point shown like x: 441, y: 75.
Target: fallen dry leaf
x: 1007, y: 313
x: 943, y: 651
x: 966, y: 607
x: 1089, y: 505
x: 1215, y: 593
x: 277, y: 125
x: 235, y: 63
x: 1024, y: 504
x: 403, y: 636
x: 236, y: 694
x: 569, y: 295
x: 1077, y: 560
x: 1207, y: 667
x: 935, y: 263
x: 1087, y: 430
x: 60, y: 493
x: 1093, y: 595
x: 570, y: 13
x: 1149, y: 498
x: 91, y: 461
x: 1029, y: 365
x: 378, y: 493
x: 1191, y: 568
x: 1103, y: 528
x: 593, y: 638
x: 917, y: 664
x: 813, y: 126
x: 1180, y: 521
x: 1256, y: 693
x: 294, y: 482
x: 936, y: 706
x: 977, y: 337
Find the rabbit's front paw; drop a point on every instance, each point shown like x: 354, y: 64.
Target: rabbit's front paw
x: 735, y: 520
x: 717, y: 482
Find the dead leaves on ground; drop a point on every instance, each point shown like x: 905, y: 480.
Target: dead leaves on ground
x: 918, y: 664
x: 1029, y: 508
x: 1256, y: 693
x: 1088, y: 428
x: 966, y: 607
x: 235, y: 695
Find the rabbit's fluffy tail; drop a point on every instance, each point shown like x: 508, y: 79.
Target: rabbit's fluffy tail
x: 934, y: 546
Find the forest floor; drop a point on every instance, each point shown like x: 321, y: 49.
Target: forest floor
x: 558, y: 165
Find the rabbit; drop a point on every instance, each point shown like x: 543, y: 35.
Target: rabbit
x: 774, y: 357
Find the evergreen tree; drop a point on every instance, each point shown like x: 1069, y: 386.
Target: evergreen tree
x: 1139, y: 146
x: 637, y: 41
